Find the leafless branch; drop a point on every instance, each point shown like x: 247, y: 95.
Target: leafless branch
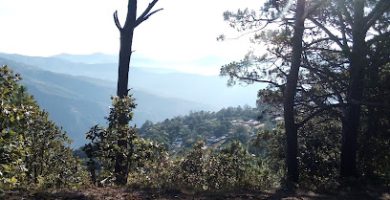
x: 147, y: 13
x: 116, y: 20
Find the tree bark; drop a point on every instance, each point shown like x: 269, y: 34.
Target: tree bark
x: 289, y: 95
x: 125, y: 51
x: 358, y: 62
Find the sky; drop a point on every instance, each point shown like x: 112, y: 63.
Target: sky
x: 181, y: 37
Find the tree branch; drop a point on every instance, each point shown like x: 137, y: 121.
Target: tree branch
x: 343, y: 6
x: 381, y: 7
x: 116, y: 20
x: 378, y: 38
x: 313, y: 8
x: 242, y: 78
x: 343, y: 29
x: 317, y: 112
x: 146, y: 14
x: 330, y: 78
x: 307, y: 45
x: 333, y: 37
x: 139, y: 21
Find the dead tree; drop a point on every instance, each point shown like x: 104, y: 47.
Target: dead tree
x: 125, y: 51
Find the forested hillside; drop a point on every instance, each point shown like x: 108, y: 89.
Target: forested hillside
x: 319, y: 72
x: 216, y: 129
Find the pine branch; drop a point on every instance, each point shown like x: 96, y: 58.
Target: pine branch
x: 313, y: 8
x: 333, y: 37
x: 380, y: 8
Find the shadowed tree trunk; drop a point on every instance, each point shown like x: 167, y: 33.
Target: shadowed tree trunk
x: 126, y: 41
x: 361, y: 15
x: 358, y: 62
x: 289, y: 95
x: 291, y: 128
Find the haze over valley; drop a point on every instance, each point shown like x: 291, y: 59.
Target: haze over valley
x: 76, y: 89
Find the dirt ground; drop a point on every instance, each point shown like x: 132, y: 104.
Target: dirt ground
x: 121, y: 193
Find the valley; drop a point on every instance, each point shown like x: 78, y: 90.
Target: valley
x: 76, y: 92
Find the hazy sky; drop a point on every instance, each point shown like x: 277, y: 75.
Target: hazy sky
x: 182, y: 36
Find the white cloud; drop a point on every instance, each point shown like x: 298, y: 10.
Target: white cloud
x: 185, y: 31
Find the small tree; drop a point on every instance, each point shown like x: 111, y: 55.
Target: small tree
x: 104, y: 148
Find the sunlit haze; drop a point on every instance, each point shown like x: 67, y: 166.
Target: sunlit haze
x: 181, y: 37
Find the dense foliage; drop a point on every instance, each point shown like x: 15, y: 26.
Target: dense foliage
x: 33, y: 150
x: 202, y: 169
x: 107, y: 143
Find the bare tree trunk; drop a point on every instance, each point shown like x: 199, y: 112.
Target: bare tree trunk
x: 289, y: 95
x: 126, y: 42
x: 125, y: 51
x: 124, y: 63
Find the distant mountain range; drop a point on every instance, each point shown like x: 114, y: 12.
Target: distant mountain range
x: 76, y: 90
x: 95, y: 58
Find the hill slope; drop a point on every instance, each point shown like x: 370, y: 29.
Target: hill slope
x: 77, y: 103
